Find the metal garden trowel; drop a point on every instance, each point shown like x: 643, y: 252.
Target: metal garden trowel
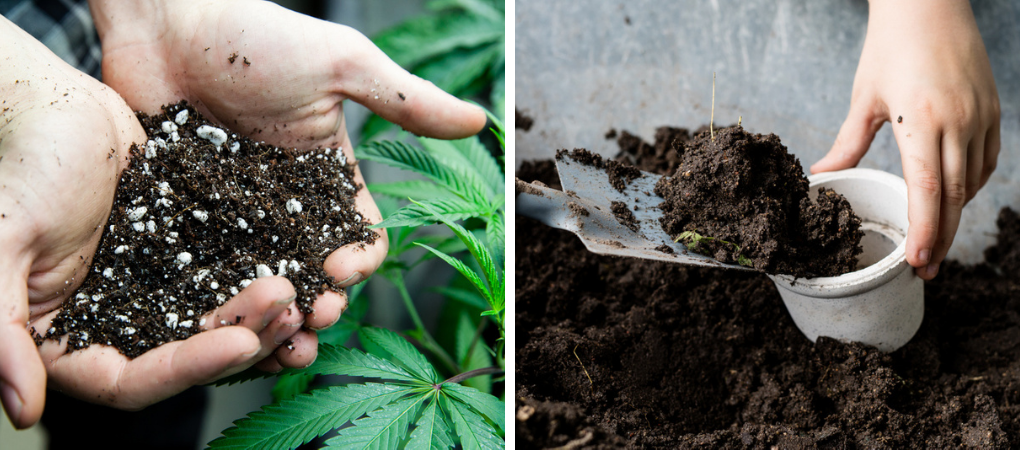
x: 584, y: 208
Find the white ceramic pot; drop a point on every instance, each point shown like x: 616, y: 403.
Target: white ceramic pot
x: 882, y: 302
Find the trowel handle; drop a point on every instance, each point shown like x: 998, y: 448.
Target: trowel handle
x: 543, y: 204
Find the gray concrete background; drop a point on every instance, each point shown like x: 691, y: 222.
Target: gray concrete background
x: 786, y: 66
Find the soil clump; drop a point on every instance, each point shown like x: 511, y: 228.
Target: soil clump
x: 742, y: 198
x: 623, y: 353
x: 199, y: 214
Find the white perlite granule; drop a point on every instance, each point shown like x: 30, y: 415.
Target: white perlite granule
x: 212, y: 134
x: 293, y: 206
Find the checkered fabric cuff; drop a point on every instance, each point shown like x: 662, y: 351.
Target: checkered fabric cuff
x: 65, y: 26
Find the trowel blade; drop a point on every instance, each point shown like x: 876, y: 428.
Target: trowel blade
x: 589, y: 189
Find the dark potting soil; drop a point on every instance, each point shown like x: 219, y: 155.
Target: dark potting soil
x: 201, y: 213
x: 619, y: 174
x: 742, y: 198
x: 625, y: 353
x: 522, y: 121
x: 624, y: 215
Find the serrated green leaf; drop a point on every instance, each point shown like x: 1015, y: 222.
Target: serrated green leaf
x: 384, y: 428
x: 248, y: 374
x: 469, y: 348
x: 402, y: 351
x: 414, y: 215
x: 496, y: 235
x: 481, y: 254
x: 348, y: 361
x: 431, y: 432
x: 404, y: 156
x: 473, y: 430
x: 486, y: 404
x: 426, y: 37
x: 291, y: 423
x: 290, y: 385
x: 497, y: 96
x: 458, y: 72
x: 467, y: 297
x: 469, y: 154
x: 410, y: 188
x: 464, y: 270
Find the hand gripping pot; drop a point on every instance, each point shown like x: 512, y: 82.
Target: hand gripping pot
x: 882, y: 302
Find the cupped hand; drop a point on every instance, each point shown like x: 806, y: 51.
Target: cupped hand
x: 277, y: 76
x: 64, y: 138
x: 925, y: 69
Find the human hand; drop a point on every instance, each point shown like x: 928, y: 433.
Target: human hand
x: 273, y: 75
x: 925, y: 69
x: 64, y: 138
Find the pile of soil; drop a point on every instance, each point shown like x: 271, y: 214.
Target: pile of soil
x: 624, y: 353
x: 742, y: 198
x: 201, y: 213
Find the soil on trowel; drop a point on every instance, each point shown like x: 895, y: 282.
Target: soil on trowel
x: 742, y: 198
x: 624, y: 353
x: 619, y: 174
x: 199, y: 214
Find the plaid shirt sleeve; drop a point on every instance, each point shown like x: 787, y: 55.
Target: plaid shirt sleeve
x: 65, y: 26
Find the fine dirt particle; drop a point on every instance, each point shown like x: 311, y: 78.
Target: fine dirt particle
x: 688, y: 357
x: 611, y: 134
x: 619, y: 174
x: 577, y: 210
x: 527, y: 188
x: 192, y: 220
x: 899, y: 119
x: 624, y: 215
x: 748, y: 197
x: 232, y: 57
x: 522, y: 121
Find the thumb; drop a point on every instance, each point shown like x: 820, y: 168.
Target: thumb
x: 22, y: 375
x: 854, y: 138
x: 417, y: 105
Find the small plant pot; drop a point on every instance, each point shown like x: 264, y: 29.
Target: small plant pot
x: 882, y: 302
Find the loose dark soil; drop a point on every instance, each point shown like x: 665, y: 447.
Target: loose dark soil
x: 624, y: 215
x: 748, y: 197
x: 522, y: 121
x: 201, y: 213
x: 624, y: 353
x: 619, y: 174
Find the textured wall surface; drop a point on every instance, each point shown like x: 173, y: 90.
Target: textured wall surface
x: 786, y: 66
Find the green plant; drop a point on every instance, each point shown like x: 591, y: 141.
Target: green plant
x: 694, y: 242
x: 462, y: 182
x: 380, y: 413
x: 459, y: 46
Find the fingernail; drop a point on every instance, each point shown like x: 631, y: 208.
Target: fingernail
x: 924, y: 255
x: 932, y: 269
x: 12, y: 402
x: 277, y: 308
x: 355, y: 278
x: 285, y: 332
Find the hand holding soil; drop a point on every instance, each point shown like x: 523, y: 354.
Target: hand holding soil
x: 924, y: 68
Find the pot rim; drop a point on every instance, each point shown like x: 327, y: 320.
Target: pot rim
x: 868, y: 278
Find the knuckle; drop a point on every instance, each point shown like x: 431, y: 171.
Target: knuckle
x: 954, y: 193
x: 927, y: 181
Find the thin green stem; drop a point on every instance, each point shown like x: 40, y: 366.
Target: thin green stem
x: 397, y: 278
x: 470, y: 374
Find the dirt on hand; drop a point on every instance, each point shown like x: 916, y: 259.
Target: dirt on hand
x: 199, y: 214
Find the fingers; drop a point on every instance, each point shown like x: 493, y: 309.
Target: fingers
x: 920, y: 151
x: 952, y: 199
x: 991, y: 158
x: 854, y: 138
x: 261, y: 307
x: 328, y: 308
x: 384, y: 87
x: 22, y: 374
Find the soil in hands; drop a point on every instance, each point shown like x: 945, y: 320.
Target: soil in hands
x: 201, y: 213
x: 623, y: 353
x: 742, y: 198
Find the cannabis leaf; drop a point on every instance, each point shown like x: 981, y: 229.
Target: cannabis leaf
x: 459, y: 46
x: 377, y: 415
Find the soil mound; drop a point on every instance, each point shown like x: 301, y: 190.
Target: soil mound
x: 742, y: 198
